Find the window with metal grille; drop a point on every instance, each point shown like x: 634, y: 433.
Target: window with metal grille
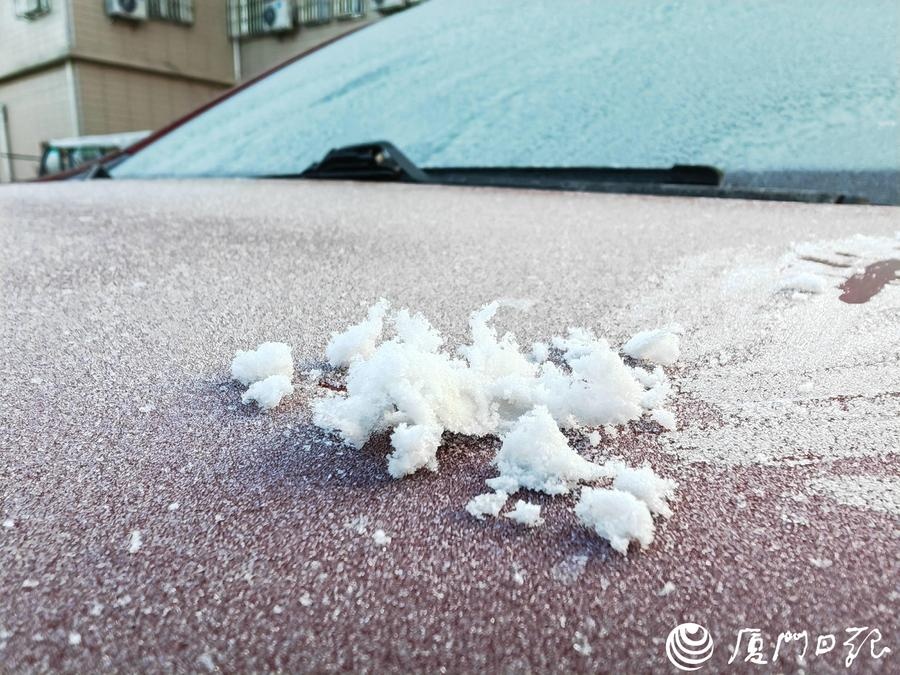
x: 178, y: 11
x: 349, y: 9
x: 31, y: 9
x: 312, y: 12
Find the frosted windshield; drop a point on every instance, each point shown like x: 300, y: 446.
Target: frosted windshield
x: 760, y: 86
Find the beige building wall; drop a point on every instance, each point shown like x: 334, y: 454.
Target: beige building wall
x: 201, y: 51
x: 39, y: 106
x: 114, y: 99
x: 142, y: 75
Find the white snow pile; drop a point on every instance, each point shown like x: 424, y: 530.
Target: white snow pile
x: 412, y: 386
x: 487, y: 504
x: 268, y: 392
x: 617, y: 516
x: 415, y: 388
x: 644, y: 484
x: 536, y: 455
x: 526, y: 514
x: 656, y: 346
x: 267, y: 370
x: 358, y: 341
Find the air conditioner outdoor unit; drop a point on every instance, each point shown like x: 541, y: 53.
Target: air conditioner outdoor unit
x: 277, y: 16
x: 136, y: 10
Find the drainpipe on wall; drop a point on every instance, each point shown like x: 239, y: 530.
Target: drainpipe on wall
x: 71, y: 76
x: 236, y: 57
x: 6, y: 165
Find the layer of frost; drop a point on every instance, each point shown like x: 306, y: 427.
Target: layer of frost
x: 526, y: 514
x: 805, y: 282
x: 268, y: 392
x: 414, y: 386
x: 358, y: 341
x: 616, y: 516
x: 268, y: 359
x: 656, y: 346
x: 536, y: 455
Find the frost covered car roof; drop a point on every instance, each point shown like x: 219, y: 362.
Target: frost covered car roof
x: 151, y: 521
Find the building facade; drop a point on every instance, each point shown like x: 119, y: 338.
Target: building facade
x: 84, y: 67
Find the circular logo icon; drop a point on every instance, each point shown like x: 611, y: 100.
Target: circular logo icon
x: 689, y: 646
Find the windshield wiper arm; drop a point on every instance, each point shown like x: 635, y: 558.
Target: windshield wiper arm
x: 378, y: 161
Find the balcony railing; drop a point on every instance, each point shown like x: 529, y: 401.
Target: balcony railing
x: 177, y: 11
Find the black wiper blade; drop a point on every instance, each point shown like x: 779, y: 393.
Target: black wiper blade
x: 383, y: 161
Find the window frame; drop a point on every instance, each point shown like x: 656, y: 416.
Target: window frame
x: 172, y: 11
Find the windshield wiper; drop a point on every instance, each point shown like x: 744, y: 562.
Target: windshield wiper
x: 383, y: 161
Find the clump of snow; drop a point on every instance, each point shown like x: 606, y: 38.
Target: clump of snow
x: 804, y: 282
x: 526, y: 514
x: 74, y: 638
x: 269, y: 358
x: 617, y: 516
x: 644, y: 484
x: 358, y: 341
x: 665, y: 419
x: 594, y: 438
x: 135, y: 541
x: 380, y: 538
x: 656, y: 346
x: 487, y: 504
x: 415, y: 388
x: 415, y: 447
x: 268, y: 392
x: 483, y: 388
x: 536, y: 455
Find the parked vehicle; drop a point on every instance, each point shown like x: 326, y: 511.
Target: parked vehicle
x: 64, y: 154
x: 708, y: 190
